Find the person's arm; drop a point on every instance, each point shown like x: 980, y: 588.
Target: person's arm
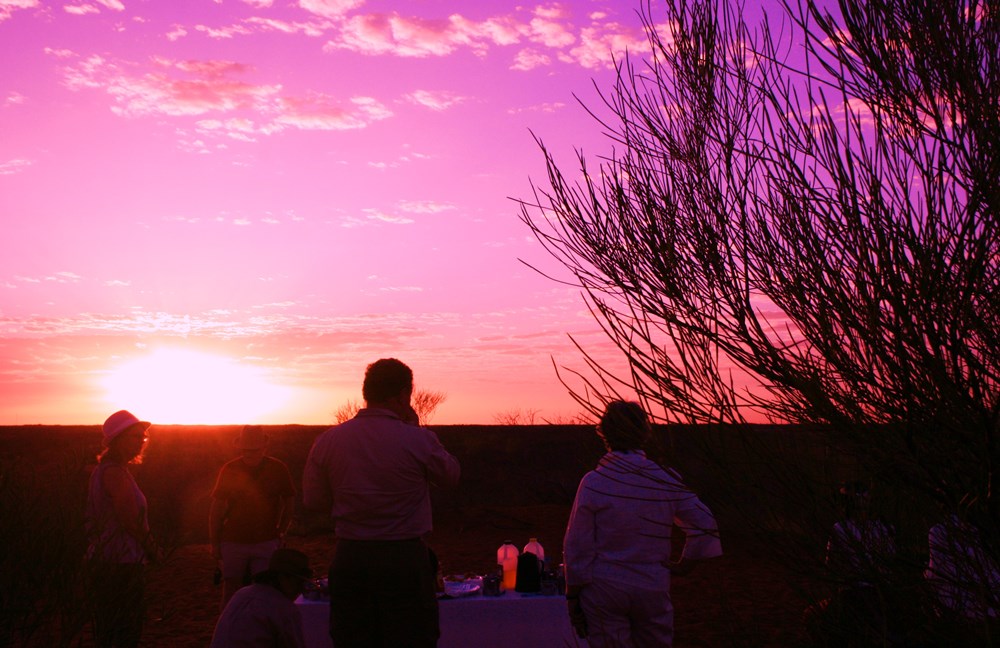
x: 127, y: 511
x: 442, y: 467
x: 316, y: 493
x: 216, y: 519
x: 285, y: 519
x: 579, y: 551
x: 580, y: 541
x: 700, y: 529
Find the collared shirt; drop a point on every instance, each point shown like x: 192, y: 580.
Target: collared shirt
x: 259, y: 616
x: 374, y: 473
x: 620, y: 526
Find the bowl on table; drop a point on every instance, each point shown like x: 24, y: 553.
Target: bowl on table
x: 462, y: 585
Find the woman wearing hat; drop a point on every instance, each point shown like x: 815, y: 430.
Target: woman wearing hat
x: 252, y: 506
x: 118, y: 532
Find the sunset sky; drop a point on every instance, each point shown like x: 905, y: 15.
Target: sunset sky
x: 219, y: 211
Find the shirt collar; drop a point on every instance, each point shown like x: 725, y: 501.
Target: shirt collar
x: 378, y: 411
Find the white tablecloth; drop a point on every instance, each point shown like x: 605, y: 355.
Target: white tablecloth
x: 509, y: 621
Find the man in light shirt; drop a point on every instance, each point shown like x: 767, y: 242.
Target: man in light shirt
x: 373, y: 473
x: 618, y: 540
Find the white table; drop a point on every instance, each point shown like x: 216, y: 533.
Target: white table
x: 509, y: 621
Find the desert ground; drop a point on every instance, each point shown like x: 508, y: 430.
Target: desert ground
x: 518, y: 482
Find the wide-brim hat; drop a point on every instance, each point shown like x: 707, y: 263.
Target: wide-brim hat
x: 290, y: 562
x: 119, y: 422
x: 251, y: 437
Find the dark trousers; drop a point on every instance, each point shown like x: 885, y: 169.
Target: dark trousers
x: 117, y: 591
x: 382, y: 595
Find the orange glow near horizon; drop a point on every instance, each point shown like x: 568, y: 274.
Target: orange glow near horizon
x: 172, y: 386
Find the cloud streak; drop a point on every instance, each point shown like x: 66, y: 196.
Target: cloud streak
x: 215, y: 91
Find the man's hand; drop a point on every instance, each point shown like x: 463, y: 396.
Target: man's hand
x: 577, y: 618
x: 682, y: 567
x: 409, y: 415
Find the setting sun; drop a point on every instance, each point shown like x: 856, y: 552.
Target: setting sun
x: 187, y: 387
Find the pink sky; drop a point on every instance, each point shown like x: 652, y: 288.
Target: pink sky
x: 221, y: 211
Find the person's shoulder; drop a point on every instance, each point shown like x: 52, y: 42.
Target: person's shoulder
x: 233, y: 464
x: 274, y: 463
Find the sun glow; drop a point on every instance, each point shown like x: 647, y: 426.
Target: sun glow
x: 192, y: 388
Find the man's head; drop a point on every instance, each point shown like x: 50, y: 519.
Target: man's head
x: 288, y: 571
x: 624, y: 426
x: 252, y: 442
x: 387, y: 382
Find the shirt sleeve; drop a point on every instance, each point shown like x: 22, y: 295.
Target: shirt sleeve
x: 442, y: 467
x: 290, y: 632
x: 223, y: 487
x: 286, y: 485
x: 580, y: 542
x: 316, y: 493
x: 699, y: 526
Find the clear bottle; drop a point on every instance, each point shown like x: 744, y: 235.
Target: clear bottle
x: 507, y: 556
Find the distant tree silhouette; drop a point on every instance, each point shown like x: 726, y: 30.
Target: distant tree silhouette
x: 516, y: 416
x: 800, y: 222
x: 424, y: 402
x: 347, y: 411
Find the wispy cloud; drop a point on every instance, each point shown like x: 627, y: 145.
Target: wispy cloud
x: 382, y: 217
x: 171, y: 88
x: 529, y: 59
x: 550, y: 31
x: 550, y: 27
x: 62, y: 277
x: 424, y: 206
x: 8, y: 7
x: 330, y: 8
x: 81, y: 10
x: 439, y: 100
x: 322, y: 112
x: 309, y: 28
x: 215, y: 90
x: 84, y: 8
x: 14, y: 99
x: 548, y: 107
x: 10, y: 167
x: 224, y: 32
x: 601, y: 44
x: 401, y: 289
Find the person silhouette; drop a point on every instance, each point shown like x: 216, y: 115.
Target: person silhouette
x: 119, y: 539
x: 617, y: 547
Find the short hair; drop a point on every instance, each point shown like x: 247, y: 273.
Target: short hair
x: 385, y: 379
x: 624, y: 426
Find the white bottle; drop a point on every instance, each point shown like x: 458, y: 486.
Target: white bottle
x: 535, y: 547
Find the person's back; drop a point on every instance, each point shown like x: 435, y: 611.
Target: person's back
x: 258, y: 616
x: 373, y: 473
x: 617, y: 547
x: 378, y: 469
x: 263, y: 614
x: 638, y: 503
